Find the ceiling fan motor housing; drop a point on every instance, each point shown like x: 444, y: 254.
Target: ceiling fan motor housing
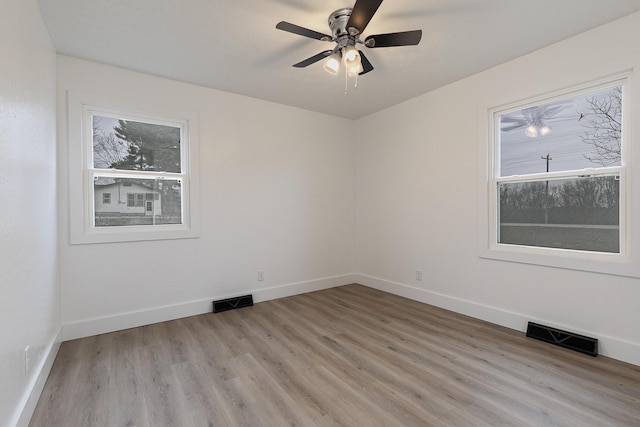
x: 338, y: 22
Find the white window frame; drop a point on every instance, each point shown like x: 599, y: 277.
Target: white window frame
x: 624, y: 263
x: 81, y: 108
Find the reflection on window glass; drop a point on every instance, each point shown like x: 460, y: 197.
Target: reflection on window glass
x: 137, y: 201
x: 577, y: 213
x: 574, y: 133
x: 130, y: 145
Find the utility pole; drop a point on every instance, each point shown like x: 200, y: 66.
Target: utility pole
x: 548, y: 158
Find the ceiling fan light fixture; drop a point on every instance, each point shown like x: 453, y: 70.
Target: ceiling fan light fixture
x: 355, y: 69
x: 545, y: 130
x: 332, y: 64
x: 350, y: 54
x: 352, y: 61
x: 531, y: 131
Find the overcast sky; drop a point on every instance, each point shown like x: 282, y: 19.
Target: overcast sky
x: 106, y: 124
x: 521, y: 154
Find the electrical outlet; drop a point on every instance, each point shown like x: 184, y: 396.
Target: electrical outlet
x: 260, y: 275
x: 27, y: 357
x: 419, y: 275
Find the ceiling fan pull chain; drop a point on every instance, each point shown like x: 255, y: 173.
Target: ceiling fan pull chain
x: 346, y: 81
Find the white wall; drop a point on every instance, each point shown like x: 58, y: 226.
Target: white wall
x: 418, y: 203
x: 276, y: 195
x: 29, y: 293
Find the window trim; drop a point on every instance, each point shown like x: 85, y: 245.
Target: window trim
x: 81, y: 172
x: 624, y: 263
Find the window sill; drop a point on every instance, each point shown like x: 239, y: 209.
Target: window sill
x: 133, y: 234
x: 594, y: 262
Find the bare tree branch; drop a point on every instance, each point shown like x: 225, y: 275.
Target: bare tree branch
x: 107, y: 149
x: 603, y: 128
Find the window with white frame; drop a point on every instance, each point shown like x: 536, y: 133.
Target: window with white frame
x: 133, y: 158
x: 137, y: 174
x: 558, y: 173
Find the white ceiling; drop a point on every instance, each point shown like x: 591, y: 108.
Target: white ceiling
x: 233, y: 45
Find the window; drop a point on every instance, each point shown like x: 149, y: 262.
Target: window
x: 555, y: 183
x: 133, y: 201
x: 143, y: 157
x: 558, y: 175
x: 140, y: 165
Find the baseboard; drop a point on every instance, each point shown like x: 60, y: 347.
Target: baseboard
x: 36, y: 384
x: 612, y: 347
x: 291, y: 289
x: 132, y: 319
x: 479, y: 311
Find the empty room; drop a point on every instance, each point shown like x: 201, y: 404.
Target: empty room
x: 288, y: 212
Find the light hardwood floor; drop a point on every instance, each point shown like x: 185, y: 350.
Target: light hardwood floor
x: 350, y: 356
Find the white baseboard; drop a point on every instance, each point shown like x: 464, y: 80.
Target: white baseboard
x: 132, y: 319
x: 288, y: 290
x: 612, y: 347
x: 36, y: 384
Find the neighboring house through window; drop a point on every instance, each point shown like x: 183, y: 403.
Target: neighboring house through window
x: 139, y: 170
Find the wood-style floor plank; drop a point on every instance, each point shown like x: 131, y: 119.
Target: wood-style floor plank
x: 347, y: 356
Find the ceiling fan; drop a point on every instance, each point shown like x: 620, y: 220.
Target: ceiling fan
x: 534, y: 120
x: 347, y: 24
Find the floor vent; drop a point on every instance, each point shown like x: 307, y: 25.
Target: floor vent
x: 231, y: 303
x: 586, y: 345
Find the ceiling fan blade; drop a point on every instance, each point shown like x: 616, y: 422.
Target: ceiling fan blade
x: 552, y: 111
x: 512, y: 127
x: 362, y: 13
x: 296, y: 29
x: 405, y: 38
x: 507, y: 119
x: 366, y: 65
x: 313, y: 59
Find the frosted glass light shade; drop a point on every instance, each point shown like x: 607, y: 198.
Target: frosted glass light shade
x: 531, y: 131
x: 352, y: 61
x: 545, y: 130
x: 332, y: 64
